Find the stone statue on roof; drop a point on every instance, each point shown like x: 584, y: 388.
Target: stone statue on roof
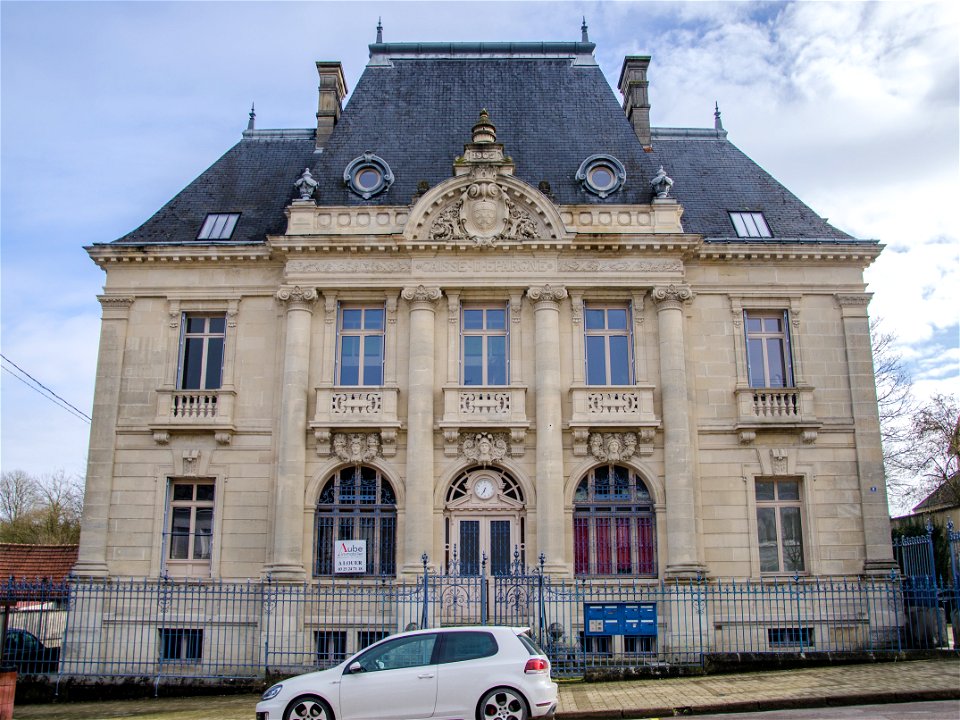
x: 661, y: 184
x: 306, y: 185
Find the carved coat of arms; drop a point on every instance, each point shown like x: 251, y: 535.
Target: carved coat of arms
x: 484, y: 211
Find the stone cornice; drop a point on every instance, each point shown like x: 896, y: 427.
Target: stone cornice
x: 106, y: 255
x: 856, y: 253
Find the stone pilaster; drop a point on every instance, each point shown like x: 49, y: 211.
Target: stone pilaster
x: 682, y: 553
x: 287, y: 562
x: 866, y: 429
x: 92, y: 557
x: 418, y: 536
x: 551, y: 528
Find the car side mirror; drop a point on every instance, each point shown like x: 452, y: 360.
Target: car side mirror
x: 355, y: 667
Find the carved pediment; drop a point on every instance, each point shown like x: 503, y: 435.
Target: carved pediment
x: 484, y: 205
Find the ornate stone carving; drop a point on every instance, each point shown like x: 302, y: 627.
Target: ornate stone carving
x: 349, y: 267
x: 661, y: 184
x: 484, y: 447
x: 779, y: 461
x: 747, y: 436
x: 671, y: 294
x: 161, y: 437
x: 191, y: 462
x: 297, y: 296
x: 547, y: 293
x: 306, y: 185
x: 356, y: 447
x: 853, y: 299
x: 420, y: 294
x: 613, y: 447
x: 223, y: 438
x: 483, y: 215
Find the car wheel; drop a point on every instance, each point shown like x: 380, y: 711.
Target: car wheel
x: 308, y: 707
x: 503, y: 704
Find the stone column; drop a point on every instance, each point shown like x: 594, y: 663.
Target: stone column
x: 551, y: 522
x: 287, y: 563
x: 682, y: 554
x: 418, y: 534
x: 866, y: 431
x: 92, y: 557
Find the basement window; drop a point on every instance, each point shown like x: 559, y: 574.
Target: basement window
x: 789, y: 637
x: 218, y: 226
x: 750, y: 224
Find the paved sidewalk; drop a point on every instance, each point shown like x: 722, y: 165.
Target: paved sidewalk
x: 799, y: 688
x: 802, y: 688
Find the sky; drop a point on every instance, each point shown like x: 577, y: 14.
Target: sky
x: 108, y: 109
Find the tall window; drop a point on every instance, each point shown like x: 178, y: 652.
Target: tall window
x: 608, y: 343
x: 614, y: 532
x: 360, y: 351
x: 191, y: 520
x: 485, y: 346
x: 357, y: 504
x: 779, y: 530
x: 768, y: 349
x: 201, y: 352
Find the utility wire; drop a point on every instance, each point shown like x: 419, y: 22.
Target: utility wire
x: 42, y: 389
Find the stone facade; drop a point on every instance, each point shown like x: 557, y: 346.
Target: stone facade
x: 687, y: 419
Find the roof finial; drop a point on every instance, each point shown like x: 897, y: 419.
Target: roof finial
x: 484, y: 131
x: 253, y: 117
x: 583, y: 31
x: 379, y: 30
x: 717, y: 125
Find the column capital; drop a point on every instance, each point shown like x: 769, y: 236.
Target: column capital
x: 421, y: 294
x: 853, y: 304
x: 671, y: 296
x: 297, y: 298
x: 547, y: 294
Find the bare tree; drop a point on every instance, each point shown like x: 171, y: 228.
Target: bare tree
x: 42, y: 510
x: 931, y: 459
x: 895, y: 400
x: 18, y: 495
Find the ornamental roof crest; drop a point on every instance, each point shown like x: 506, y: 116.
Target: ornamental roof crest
x: 484, y: 205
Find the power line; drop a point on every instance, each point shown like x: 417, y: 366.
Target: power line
x: 46, y: 392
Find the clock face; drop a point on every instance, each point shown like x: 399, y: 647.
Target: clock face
x: 483, y: 489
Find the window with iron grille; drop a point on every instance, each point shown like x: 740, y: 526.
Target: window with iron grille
x: 201, y: 351
x: 331, y: 647
x: 779, y: 525
x: 769, y: 363
x: 614, y: 528
x: 357, y: 503
x: 181, y: 644
x: 360, y: 345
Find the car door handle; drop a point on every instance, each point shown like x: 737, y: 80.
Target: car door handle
x: 425, y: 676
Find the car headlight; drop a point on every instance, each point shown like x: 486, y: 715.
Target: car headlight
x: 272, y: 692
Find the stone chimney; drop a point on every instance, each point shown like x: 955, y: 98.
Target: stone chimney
x: 636, y: 103
x: 333, y: 88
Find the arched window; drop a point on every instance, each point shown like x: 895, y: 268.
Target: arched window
x: 614, y: 529
x: 357, y: 504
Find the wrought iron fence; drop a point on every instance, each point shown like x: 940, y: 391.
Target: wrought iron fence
x: 210, y: 631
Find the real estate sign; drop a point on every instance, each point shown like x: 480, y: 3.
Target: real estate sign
x: 350, y: 556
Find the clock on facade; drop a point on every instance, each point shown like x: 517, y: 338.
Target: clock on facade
x: 483, y: 489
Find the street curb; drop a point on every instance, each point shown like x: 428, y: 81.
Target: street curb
x: 810, y: 701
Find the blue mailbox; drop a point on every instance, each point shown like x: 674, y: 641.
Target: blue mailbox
x: 634, y: 619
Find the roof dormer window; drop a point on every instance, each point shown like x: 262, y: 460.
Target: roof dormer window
x: 601, y: 175
x: 750, y: 224
x: 218, y: 226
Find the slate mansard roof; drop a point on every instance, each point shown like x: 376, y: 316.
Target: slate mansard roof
x: 414, y: 106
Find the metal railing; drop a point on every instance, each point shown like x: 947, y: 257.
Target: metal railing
x: 209, y: 631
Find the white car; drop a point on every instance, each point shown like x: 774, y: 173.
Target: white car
x: 466, y: 672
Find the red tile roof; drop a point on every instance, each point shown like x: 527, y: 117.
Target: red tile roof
x: 33, y: 562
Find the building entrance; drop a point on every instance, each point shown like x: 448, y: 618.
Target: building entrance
x: 484, y: 523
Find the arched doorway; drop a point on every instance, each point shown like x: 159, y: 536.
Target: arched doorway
x: 484, y: 517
